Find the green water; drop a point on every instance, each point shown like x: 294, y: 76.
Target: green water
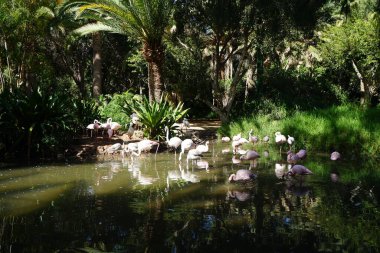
x: 156, y: 204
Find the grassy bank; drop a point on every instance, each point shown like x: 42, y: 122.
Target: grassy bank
x: 350, y: 129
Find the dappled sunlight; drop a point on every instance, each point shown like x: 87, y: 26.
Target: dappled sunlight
x: 26, y: 201
x: 148, y: 193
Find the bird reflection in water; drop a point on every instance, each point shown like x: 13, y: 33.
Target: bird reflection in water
x: 240, y: 195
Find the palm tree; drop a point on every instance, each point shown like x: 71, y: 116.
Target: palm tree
x: 144, y: 20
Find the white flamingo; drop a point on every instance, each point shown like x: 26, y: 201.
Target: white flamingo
x: 290, y: 141
x: 106, y: 126
x: 193, y: 154
x: 226, y: 139
x: 145, y: 146
x: 114, y: 126
x: 236, y: 137
x: 203, y: 148
x: 280, y: 139
x: 94, y: 126
x: 236, y: 144
x: 173, y: 142
x: 185, y: 145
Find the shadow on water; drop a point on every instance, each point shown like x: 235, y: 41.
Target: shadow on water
x: 158, y: 204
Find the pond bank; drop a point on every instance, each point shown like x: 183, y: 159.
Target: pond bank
x: 86, y: 148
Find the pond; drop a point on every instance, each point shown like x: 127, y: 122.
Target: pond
x: 154, y: 203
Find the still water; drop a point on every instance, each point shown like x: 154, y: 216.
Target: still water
x: 157, y: 204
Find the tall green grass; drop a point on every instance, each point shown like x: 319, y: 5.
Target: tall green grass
x: 350, y: 129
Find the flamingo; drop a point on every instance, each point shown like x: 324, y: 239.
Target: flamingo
x: 290, y: 141
x: 251, y: 155
x: 203, y: 148
x: 302, y: 154
x: 292, y: 158
x: 252, y: 138
x: 279, y: 170
x: 239, y: 195
x: 130, y: 148
x: 266, y: 139
x: 115, y: 147
x: 235, y: 160
x: 280, y: 139
x: 226, y: 139
x: 242, y: 175
x: 94, y: 126
x: 173, y: 142
x: 202, y: 164
x: 236, y: 144
x: 185, y: 145
x: 114, y: 126
x: 144, y: 146
x: 335, y: 156
x: 299, y: 170
x: 106, y: 125
x: 236, y: 137
x: 193, y: 154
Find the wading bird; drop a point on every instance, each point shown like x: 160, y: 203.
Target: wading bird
x: 203, y: 148
x: 252, y: 138
x: 335, y: 156
x: 299, y: 170
x: 280, y: 139
x: 302, y: 154
x: 173, y: 142
x: 251, y: 155
x: 94, y: 127
x: 185, y: 145
x: 242, y: 175
x: 226, y: 139
x: 290, y: 141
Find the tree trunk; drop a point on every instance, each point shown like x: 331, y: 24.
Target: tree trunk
x: 364, y: 88
x: 97, y: 65
x: 154, y: 55
x: 157, y: 83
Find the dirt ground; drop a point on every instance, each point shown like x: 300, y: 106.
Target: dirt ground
x: 86, y: 147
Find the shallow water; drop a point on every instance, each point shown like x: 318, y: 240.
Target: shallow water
x: 157, y: 204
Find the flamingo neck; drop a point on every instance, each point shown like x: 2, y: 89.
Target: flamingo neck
x: 232, y: 178
x: 167, y: 134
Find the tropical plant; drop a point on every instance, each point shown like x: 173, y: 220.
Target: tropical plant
x: 144, y: 20
x: 154, y: 116
x: 37, y: 122
x: 86, y: 111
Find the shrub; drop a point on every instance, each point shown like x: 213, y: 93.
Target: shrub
x: 156, y: 115
x: 35, y: 122
x: 119, y: 107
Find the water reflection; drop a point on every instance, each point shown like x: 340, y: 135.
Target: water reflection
x: 158, y: 204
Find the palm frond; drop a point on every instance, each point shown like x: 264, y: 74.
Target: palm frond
x: 94, y: 27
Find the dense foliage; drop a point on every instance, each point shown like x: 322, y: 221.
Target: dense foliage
x: 224, y: 59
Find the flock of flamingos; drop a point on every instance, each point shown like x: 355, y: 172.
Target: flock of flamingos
x: 195, y: 151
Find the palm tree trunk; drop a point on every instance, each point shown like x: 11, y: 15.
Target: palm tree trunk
x: 97, y: 65
x: 154, y: 55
